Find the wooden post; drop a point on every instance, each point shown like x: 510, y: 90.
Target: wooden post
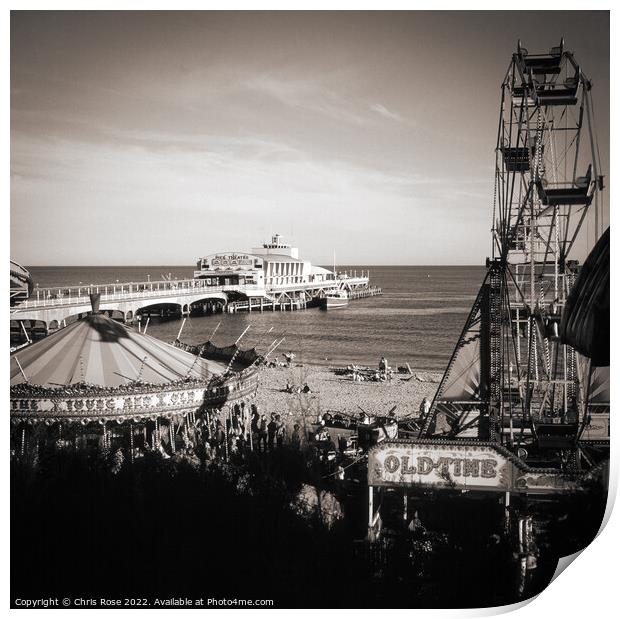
x: 371, y: 510
x: 19, y: 365
x: 181, y: 329
x: 244, y: 332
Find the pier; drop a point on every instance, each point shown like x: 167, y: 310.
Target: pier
x: 292, y: 302
x: 50, y: 308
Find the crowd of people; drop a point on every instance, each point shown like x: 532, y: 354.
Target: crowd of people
x: 245, y: 429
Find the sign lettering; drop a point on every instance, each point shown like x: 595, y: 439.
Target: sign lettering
x: 232, y: 261
x: 460, y: 466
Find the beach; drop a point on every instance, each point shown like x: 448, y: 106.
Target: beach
x: 332, y: 393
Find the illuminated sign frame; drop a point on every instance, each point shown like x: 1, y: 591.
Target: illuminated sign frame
x: 480, y: 466
x: 463, y: 467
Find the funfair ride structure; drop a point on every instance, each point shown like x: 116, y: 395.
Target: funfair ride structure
x: 514, y: 379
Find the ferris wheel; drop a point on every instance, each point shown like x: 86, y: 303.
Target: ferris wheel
x: 511, y: 379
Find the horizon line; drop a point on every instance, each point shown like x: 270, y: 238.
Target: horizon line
x: 185, y: 266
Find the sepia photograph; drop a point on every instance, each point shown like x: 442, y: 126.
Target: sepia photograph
x: 309, y: 309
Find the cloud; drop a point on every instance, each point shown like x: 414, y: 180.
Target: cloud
x: 310, y: 94
x: 189, y: 197
x: 383, y: 111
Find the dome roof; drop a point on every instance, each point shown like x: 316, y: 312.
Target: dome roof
x: 101, y: 351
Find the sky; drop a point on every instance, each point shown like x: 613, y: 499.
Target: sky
x: 142, y: 138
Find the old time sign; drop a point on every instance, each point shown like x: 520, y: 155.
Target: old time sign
x: 473, y: 467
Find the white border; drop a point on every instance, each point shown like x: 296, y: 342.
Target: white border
x: 587, y: 588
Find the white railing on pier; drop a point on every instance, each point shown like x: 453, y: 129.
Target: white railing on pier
x: 328, y: 283
x: 110, y: 294
x: 129, y: 291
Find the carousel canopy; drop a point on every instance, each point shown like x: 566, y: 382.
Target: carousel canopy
x: 101, y: 351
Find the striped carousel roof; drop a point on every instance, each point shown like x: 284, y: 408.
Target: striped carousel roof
x: 101, y: 351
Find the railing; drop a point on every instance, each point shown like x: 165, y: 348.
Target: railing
x: 79, y: 295
x: 328, y: 283
x: 126, y: 292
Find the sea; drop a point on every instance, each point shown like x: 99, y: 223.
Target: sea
x: 416, y: 320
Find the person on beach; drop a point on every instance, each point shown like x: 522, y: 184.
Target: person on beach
x: 340, y: 472
x: 296, y: 437
x: 280, y: 429
x: 425, y: 407
x: 322, y: 434
x: 306, y: 389
x: 262, y: 434
x: 383, y: 368
x: 254, y: 426
x: 271, y: 432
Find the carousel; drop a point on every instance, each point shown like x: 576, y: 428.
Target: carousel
x: 99, y: 383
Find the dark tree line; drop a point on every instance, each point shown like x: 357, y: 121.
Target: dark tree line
x: 90, y: 524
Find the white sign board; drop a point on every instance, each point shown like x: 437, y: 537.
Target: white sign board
x: 471, y: 467
x: 233, y: 261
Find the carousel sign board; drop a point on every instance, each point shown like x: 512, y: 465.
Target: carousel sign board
x: 95, y: 406
x: 463, y: 467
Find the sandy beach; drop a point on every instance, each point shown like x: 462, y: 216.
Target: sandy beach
x: 332, y: 393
